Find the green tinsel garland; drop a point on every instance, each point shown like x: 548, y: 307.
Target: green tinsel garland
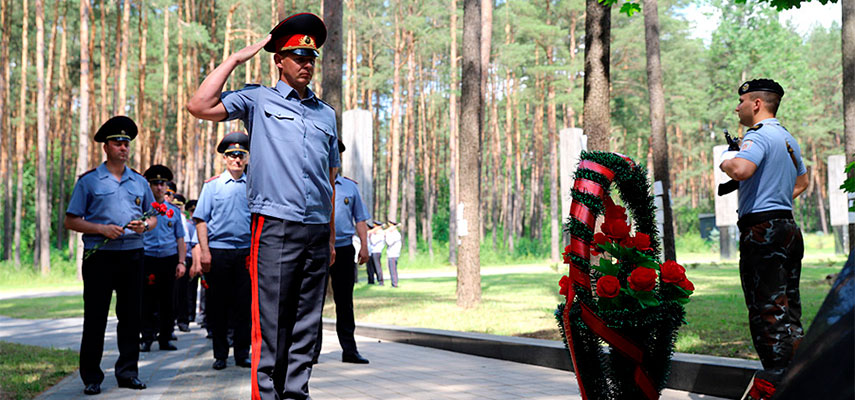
x: 654, y: 329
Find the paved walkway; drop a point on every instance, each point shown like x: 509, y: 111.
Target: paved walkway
x: 397, y: 371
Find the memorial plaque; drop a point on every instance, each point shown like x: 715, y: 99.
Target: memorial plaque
x: 838, y: 206
x: 572, y: 143
x: 358, y: 159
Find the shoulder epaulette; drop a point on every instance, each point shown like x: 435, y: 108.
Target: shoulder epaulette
x: 246, y: 85
x: 135, y: 171
x: 212, y: 178
x: 755, y: 127
x: 87, y: 173
x: 322, y: 101
x: 350, y: 180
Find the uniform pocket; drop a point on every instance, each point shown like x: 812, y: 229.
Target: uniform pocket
x: 286, y: 123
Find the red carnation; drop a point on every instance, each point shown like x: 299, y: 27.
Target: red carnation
x: 642, y: 241
x: 169, y: 213
x: 615, y: 228
x: 565, y: 285
x: 686, y: 285
x: 642, y: 279
x: 608, y: 287
x: 628, y: 242
x: 672, y: 272
x: 600, y: 238
x: 151, y: 279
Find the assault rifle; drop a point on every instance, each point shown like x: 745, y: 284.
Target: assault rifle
x: 731, y: 185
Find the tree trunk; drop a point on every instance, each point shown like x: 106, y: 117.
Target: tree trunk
x: 596, y: 97
x: 554, y: 193
x: 661, y: 171
x: 332, y: 60
x: 19, y: 141
x: 164, y: 94
x: 395, y: 126
x: 123, y: 57
x: 5, y: 136
x: 143, y: 147
x: 83, y: 127
x: 104, y: 67
x: 42, y: 213
x: 469, y: 267
x: 848, y: 34
x: 411, y: 148
x: 452, y: 140
x: 178, y: 164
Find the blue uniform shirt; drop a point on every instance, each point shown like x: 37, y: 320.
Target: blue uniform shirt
x: 771, y: 186
x: 162, y: 240
x: 99, y: 198
x: 223, y: 206
x: 293, y: 145
x: 348, y: 208
x: 190, y: 235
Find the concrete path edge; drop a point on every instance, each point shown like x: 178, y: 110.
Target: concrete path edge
x: 711, y: 375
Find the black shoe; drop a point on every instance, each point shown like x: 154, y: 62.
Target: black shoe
x: 210, y: 335
x: 314, y: 361
x: 92, y: 388
x: 166, y: 346
x: 183, y: 327
x: 355, y: 358
x: 145, y: 347
x: 243, y: 362
x: 219, y: 364
x: 133, y: 383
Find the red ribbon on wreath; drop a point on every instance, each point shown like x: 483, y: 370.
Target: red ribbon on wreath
x: 581, y: 278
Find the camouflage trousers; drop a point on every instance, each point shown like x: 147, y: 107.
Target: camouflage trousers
x: 770, y: 264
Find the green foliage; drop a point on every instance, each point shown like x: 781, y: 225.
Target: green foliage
x: 848, y: 185
x: 782, y: 5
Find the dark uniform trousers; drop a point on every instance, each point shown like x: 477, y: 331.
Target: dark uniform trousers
x: 158, y: 281
x: 770, y: 263
x: 288, y: 264
x: 228, y: 301
x: 181, y: 295
x: 341, y: 280
x: 375, y: 268
x: 103, y: 272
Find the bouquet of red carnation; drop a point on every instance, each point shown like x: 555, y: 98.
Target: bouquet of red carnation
x: 156, y: 209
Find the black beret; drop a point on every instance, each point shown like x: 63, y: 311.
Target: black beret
x: 190, y: 204
x: 761, y: 85
x: 158, y: 172
x: 119, y: 128
x: 235, y: 141
x: 341, y: 146
x: 283, y: 35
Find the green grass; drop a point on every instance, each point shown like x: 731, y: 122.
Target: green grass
x: 26, y: 371
x: 522, y: 305
x: 47, y: 307
x: 63, y: 275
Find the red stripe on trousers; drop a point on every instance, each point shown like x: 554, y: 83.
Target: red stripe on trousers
x: 257, y: 224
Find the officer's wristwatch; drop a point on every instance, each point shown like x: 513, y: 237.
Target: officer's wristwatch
x: 146, y: 226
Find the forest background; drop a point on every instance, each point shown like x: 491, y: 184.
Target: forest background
x: 401, y: 63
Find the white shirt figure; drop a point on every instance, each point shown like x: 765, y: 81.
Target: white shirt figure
x: 357, y: 244
x: 376, y: 241
x: 393, y: 241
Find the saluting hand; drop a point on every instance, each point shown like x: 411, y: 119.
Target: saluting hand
x: 111, y: 231
x: 250, y: 51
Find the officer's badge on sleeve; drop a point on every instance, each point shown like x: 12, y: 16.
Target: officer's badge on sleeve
x: 137, y: 201
x: 746, y: 145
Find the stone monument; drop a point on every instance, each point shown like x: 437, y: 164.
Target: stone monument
x: 358, y: 159
x: 725, y: 209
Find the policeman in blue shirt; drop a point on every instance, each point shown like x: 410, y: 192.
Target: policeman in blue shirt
x: 107, y: 203
x: 223, y: 230
x: 349, y: 209
x: 290, y: 190
x: 165, y: 253
x: 771, y: 174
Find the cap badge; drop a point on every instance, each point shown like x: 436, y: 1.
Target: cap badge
x: 307, y: 41
x: 745, y: 87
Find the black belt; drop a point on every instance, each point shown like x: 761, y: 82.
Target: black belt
x: 749, y: 220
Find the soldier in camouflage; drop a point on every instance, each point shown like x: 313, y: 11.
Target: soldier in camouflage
x: 771, y: 174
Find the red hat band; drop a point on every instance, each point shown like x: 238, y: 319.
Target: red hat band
x: 298, y: 41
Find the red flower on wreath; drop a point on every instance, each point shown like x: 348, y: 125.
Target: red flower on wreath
x: 615, y: 228
x: 672, y: 272
x: 642, y: 279
x: 608, y: 287
x: 565, y: 286
x: 642, y: 241
x: 686, y: 285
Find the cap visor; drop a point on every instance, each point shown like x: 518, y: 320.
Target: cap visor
x: 305, y: 52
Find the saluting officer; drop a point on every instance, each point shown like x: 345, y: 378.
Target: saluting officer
x: 165, y: 251
x: 223, y: 231
x: 349, y: 208
x: 105, y: 200
x: 290, y: 189
x: 771, y: 174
